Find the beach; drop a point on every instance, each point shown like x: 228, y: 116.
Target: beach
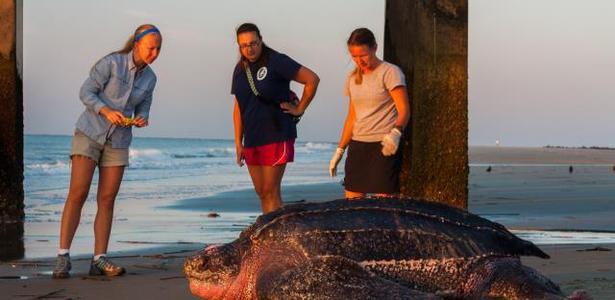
x: 190, y: 198
x: 156, y: 274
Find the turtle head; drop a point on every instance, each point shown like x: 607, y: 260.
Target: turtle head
x: 212, y: 270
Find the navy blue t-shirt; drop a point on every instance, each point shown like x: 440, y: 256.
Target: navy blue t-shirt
x: 263, y: 120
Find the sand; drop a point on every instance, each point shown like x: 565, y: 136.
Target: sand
x: 150, y: 275
x: 527, y: 188
x: 156, y: 274
x: 573, y: 269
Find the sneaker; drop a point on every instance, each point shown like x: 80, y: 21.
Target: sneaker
x: 103, y: 266
x: 62, y: 267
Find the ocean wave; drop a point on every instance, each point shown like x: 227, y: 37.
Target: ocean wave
x: 145, y: 153
x: 157, y: 154
x: 207, y: 153
x: 220, y: 152
x: 181, y: 156
x: 543, y: 237
x: 49, y: 168
x: 311, y: 147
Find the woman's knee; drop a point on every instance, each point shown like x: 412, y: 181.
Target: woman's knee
x: 105, y: 204
x: 259, y: 191
x: 77, y: 195
x: 269, y: 191
x: 106, y: 200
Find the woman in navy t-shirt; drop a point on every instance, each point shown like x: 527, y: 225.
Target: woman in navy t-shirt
x: 265, y: 114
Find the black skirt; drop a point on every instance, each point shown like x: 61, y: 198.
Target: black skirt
x: 368, y: 171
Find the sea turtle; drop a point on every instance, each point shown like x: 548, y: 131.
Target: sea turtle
x: 371, y: 248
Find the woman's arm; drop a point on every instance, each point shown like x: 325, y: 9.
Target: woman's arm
x: 142, y: 109
x: 238, y: 133
x: 310, y: 82
x: 99, y: 75
x: 402, y: 104
x: 348, y: 126
x: 390, y: 141
x: 344, y: 140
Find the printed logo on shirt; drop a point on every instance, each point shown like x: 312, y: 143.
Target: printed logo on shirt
x: 262, y: 73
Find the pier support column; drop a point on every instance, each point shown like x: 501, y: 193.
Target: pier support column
x: 428, y: 39
x: 11, y: 132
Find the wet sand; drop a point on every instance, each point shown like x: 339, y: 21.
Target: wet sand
x: 573, y: 268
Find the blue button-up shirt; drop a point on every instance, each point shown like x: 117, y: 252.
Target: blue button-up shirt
x: 114, y: 82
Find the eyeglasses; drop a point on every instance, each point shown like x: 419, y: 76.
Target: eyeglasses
x: 250, y: 45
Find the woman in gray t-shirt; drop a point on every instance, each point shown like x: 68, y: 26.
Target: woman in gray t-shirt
x: 377, y: 115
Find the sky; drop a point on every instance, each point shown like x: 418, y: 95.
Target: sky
x: 540, y: 72
x: 63, y: 39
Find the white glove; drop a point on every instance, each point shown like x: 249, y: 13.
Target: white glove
x: 337, y: 156
x: 390, y: 142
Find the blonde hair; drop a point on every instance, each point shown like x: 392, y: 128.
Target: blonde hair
x: 358, y: 75
x: 130, y: 43
x: 361, y: 37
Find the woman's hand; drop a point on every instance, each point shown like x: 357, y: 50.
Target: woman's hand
x: 113, y: 116
x: 140, y: 122
x: 335, y: 160
x: 239, y: 153
x: 390, y: 142
x: 291, y: 108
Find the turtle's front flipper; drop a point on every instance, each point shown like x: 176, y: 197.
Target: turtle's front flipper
x: 333, y: 277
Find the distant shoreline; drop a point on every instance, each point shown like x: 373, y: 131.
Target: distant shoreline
x: 540, y: 156
x: 579, y: 147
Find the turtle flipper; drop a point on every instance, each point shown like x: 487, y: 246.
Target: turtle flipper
x: 333, y: 277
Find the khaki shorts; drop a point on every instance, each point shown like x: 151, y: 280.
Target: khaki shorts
x: 104, y: 156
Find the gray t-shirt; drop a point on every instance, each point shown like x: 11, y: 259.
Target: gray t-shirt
x: 374, y: 108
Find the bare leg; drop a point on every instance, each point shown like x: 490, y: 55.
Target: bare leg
x: 272, y: 181
x: 267, y: 181
x: 108, y: 185
x: 350, y: 195
x: 82, y: 170
x: 256, y: 174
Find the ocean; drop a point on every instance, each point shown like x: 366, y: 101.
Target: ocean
x: 172, y: 184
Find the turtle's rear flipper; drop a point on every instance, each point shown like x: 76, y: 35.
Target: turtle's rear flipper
x: 507, y: 278
x: 333, y: 277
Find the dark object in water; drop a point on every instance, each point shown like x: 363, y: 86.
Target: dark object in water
x: 373, y: 248
x: 570, y: 169
x: 595, y: 249
x: 213, y: 215
x: 489, y: 169
x: 13, y: 277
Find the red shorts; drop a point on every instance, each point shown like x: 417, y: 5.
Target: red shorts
x: 271, y: 154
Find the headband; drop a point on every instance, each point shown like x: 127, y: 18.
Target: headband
x: 145, y: 32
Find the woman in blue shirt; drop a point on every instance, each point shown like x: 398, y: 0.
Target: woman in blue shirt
x: 264, y: 114
x: 120, y: 86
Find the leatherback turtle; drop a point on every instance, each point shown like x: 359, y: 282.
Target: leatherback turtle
x: 372, y: 248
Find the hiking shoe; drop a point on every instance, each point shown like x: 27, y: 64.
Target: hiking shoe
x: 103, y: 266
x: 62, y: 267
